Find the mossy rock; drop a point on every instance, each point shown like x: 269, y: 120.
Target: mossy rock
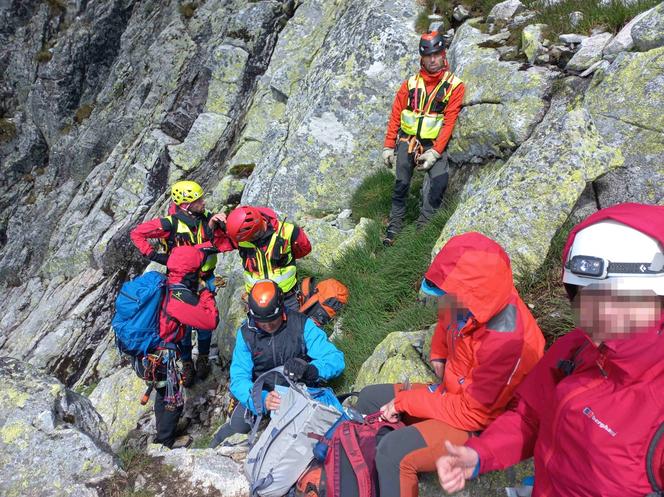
x: 398, y: 358
x: 524, y: 202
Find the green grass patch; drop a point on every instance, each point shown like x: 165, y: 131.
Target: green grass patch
x: 134, y: 459
x: 612, y: 16
x: 441, y: 7
x: 482, y: 7
x: 203, y: 442
x: 383, y: 282
x: 43, y: 56
x: 187, y: 9
x: 422, y: 21
x: 86, y: 390
x: 373, y: 198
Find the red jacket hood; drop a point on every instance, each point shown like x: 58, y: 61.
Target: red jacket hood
x: 641, y: 351
x: 182, y: 261
x: 477, y: 271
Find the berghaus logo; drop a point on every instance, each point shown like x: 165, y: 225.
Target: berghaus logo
x: 590, y: 414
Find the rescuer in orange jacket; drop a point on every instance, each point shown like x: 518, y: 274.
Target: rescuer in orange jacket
x: 485, y: 343
x: 420, y: 126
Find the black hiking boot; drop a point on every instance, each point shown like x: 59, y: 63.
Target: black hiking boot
x: 388, y: 241
x: 188, y: 374
x: 202, y: 367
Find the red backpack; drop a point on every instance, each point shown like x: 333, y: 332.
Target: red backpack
x: 358, y: 442
x: 323, y: 300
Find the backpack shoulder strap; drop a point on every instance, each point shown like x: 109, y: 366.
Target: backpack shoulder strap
x: 257, y: 396
x: 350, y: 444
x: 650, y: 463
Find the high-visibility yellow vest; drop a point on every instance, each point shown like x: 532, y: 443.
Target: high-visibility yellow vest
x: 181, y: 234
x: 420, y: 118
x: 275, y: 263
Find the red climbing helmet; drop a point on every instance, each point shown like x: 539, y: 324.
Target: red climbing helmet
x: 244, y: 222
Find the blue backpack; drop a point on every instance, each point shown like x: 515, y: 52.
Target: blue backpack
x: 136, y: 318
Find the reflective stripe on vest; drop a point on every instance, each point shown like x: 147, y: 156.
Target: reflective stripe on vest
x: 183, y: 231
x: 285, y: 277
x: 421, y: 121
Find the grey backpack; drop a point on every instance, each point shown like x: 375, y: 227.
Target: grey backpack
x: 285, y: 449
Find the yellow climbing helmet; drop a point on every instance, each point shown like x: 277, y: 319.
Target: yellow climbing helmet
x: 186, y: 192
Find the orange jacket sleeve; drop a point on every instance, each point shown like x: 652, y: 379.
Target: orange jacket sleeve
x: 474, y: 405
x: 394, y: 122
x: 439, y: 342
x: 451, y: 113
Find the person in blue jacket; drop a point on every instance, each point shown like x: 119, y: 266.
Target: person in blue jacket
x: 273, y: 336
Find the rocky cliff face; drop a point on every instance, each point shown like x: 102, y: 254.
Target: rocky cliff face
x: 111, y: 101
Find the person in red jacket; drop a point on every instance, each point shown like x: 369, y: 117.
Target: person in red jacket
x: 423, y: 115
x: 591, y: 412
x: 268, y: 248
x: 484, y: 344
x: 188, y: 223
x: 187, y: 303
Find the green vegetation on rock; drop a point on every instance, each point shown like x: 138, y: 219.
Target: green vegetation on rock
x: 7, y: 130
x: 611, y: 15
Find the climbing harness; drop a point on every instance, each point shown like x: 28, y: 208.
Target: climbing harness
x: 153, y: 366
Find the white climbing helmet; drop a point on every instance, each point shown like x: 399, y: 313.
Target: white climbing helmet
x: 616, y: 255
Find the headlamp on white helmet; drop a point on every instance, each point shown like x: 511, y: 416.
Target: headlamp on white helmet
x: 617, y: 255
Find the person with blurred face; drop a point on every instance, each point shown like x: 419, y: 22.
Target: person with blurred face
x: 484, y: 344
x: 272, y: 336
x: 419, y: 128
x: 590, y: 413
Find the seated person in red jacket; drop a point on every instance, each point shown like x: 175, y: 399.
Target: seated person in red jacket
x: 591, y: 411
x: 187, y: 303
x: 268, y: 248
x: 485, y: 343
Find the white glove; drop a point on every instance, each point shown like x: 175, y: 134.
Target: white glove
x: 427, y: 159
x: 389, y: 157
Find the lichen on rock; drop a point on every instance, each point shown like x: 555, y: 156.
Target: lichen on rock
x: 523, y: 204
x: 397, y: 359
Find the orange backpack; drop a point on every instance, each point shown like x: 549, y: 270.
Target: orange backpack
x: 321, y: 301
x: 312, y: 483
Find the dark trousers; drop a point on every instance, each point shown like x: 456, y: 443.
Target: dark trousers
x: 204, y: 341
x: 402, y: 454
x: 237, y: 423
x: 433, y: 188
x: 166, y: 417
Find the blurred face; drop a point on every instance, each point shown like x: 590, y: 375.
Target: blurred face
x: 434, y: 62
x: 197, y: 206
x: 451, y: 303
x: 270, y: 326
x: 607, y: 314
